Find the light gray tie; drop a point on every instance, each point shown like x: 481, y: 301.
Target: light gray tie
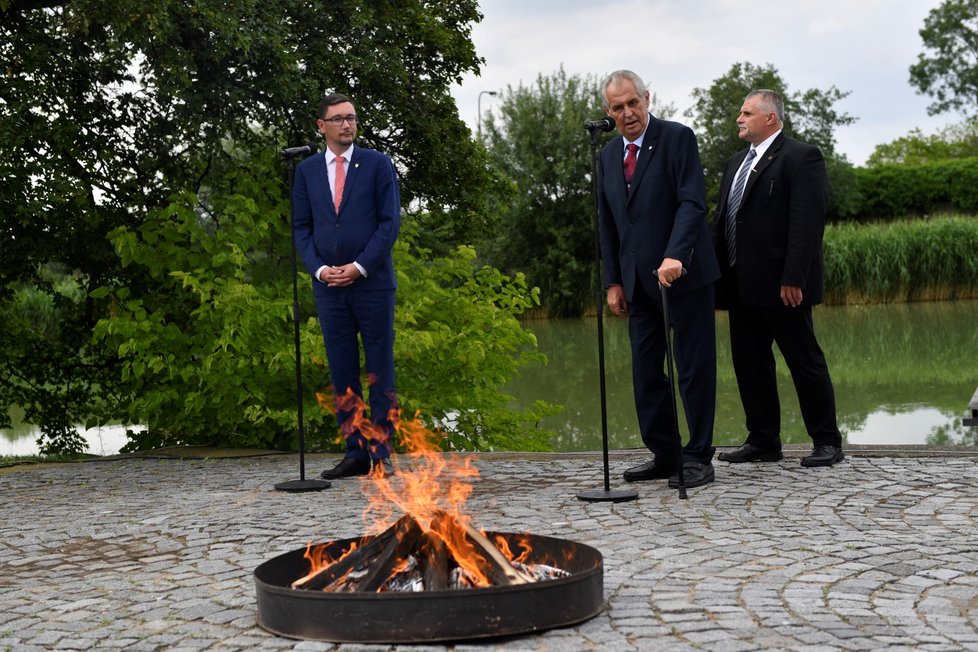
x: 733, y: 205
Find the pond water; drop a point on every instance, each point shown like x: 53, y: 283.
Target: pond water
x: 21, y: 440
x: 903, y: 374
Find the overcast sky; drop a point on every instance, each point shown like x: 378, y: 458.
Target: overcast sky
x: 862, y: 46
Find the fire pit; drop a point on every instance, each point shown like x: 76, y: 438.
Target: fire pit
x: 429, y: 576
x: 440, y: 615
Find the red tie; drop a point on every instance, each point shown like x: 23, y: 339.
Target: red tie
x: 630, y: 160
x: 338, y: 183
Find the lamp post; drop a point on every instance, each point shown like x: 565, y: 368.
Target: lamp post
x: 479, y: 108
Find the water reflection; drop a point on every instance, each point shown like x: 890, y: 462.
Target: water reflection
x: 21, y: 440
x: 903, y: 374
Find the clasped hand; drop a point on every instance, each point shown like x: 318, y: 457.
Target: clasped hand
x: 340, y: 275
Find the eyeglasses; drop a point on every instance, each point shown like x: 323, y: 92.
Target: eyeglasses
x: 338, y: 120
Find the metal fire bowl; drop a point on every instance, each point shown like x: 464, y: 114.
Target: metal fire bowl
x: 426, y: 616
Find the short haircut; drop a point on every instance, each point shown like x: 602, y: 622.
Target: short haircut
x: 619, y: 76
x: 330, y: 100
x: 770, y: 102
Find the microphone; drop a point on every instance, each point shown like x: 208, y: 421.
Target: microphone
x: 604, y: 124
x: 308, y: 148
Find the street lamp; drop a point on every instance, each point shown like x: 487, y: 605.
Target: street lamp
x: 479, y: 108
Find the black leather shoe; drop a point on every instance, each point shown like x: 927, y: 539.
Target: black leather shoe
x: 348, y: 467
x: 824, y: 455
x: 382, y: 467
x: 695, y: 474
x: 750, y: 453
x: 649, y: 471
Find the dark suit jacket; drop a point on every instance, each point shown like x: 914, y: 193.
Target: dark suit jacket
x: 366, y: 227
x: 779, y: 226
x: 661, y: 215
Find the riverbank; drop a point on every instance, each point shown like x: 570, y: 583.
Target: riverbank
x: 156, y: 551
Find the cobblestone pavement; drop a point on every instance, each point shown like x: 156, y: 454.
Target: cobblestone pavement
x: 880, y: 551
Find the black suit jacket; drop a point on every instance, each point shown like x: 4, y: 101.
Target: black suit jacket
x: 779, y: 226
x: 661, y: 215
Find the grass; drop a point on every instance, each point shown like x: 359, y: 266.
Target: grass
x: 932, y: 259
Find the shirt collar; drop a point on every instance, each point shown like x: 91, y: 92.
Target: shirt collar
x: 766, y: 143
x: 347, y: 154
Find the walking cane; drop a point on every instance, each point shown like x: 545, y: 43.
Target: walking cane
x: 672, y: 391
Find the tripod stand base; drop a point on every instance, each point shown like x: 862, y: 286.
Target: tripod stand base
x: 295, y: 486
x: 608, y: 495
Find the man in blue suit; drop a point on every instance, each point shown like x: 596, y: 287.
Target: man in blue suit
x: 652, y: 210
x: 347, y: 216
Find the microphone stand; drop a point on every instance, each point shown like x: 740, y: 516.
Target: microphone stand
x: 607, y: 494
x: 302, y: 484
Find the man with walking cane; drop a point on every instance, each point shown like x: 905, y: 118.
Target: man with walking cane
x: 652, y: 214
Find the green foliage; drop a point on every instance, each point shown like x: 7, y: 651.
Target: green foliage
x: 47, y: 367
x: 539, y: 143
x: 948, y: 68
x: 952, y: 141
x: 209, y: 357
x: 109, y: 108
x: 457, y: 342
x: 206, y: 351
x: 893, y: 190
x: 902, y: 261
x: 809, y: 116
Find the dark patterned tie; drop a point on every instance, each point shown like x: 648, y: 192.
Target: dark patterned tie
x: 736, y: 195
x: 630, y: 159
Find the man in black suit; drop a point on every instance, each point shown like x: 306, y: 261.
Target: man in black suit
x: 652, y: 213
x: 768, y: 233
x: 347, y: 216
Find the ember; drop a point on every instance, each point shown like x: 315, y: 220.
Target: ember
x: 404, y: 558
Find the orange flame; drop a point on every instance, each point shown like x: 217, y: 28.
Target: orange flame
x: 433, y: 489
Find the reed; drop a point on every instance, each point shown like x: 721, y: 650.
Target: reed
x: 910, y: 260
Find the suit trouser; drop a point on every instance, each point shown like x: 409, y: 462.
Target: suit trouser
x: 343, y: 315
x: 753, y: 331
x: 692, y: 319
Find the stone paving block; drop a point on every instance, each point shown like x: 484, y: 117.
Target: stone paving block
x: 762, y: 559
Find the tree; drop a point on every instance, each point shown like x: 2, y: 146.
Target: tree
x: 209, y: 351
x: 110, y: 107
x: 539, y: 144
x: 950, y: 142
x: 809, y: 116
x: 948, y: 68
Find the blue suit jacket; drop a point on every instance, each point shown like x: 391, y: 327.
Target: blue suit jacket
x: 366, y: 227
x: 661, y: 215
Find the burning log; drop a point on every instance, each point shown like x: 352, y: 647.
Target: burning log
x: 435, y: 553
x: 405, y: 557
x: 407, y: 534
x: 321, y: 578
x: 501, y: 571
